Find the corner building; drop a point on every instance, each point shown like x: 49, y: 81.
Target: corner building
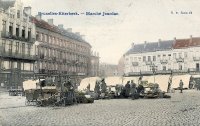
x: 17, y: 36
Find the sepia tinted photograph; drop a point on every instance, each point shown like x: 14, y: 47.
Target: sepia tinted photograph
x: 99, y: 63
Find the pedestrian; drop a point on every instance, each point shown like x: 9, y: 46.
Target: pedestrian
x: 127, y: 89
x: 181, y: 86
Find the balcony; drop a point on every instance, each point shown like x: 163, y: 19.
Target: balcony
x: 179, y: 59
x: 164, y: 61
x: 148, y: 63
x: 196, y: 58
x: 21, y: 56
x: 135, y: 63
x: 10, y: 36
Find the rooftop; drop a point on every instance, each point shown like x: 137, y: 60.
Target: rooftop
x: 43, y: 24
x: 185, y: 43
x: 151, y: 47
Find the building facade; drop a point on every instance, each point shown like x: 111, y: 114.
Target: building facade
x: 178, y: 55
x: 60, y: 51
x: 94, y: 64
x: 17, y: 52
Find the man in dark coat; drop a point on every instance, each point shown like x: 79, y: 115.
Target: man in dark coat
x: 181, y: 86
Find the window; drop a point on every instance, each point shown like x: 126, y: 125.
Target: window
x: 10, y: 47
x: 164, y: 68
x: 185, y: 54
x: 23, y: 48
x: 11, y: 29
x: 29, y: 50
x: 154, y: 58
x: 29, y: 34
x: 149, y: 58
x: 139, y: 58
x: 180, y: 67
x: 144, y: 58
x: 37, y: 36
x: 17, y: 48
x: 23, y: 32
x: 4, y: 27
x: 4, y: 45
x: 18, y: 13
x: 174, y: 55
x: 17, y: 31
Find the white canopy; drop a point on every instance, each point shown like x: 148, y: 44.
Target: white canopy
x: 90, y: 80
x: 162, y: 80
x: 176, y: 80
x: 113, y: 80
x: 30, y: 84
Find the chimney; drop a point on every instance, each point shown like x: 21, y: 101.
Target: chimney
x: 50, y: 21
x: 145, y: 44
x: 27, y: 10
x: 69, y: 29
x: 190, y: 38
x: 132, y: 45
x: 174, y: 41
x: 159, y: 41
x: 61, y: 26
x: 39, y: 16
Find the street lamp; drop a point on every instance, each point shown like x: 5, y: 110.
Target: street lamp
x: 153, y: 69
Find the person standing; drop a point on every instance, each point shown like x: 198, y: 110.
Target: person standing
x: 181, y: 86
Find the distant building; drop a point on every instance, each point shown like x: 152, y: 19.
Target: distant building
x: 121, y: 66
x: 172, y: 56
x: 108, y: 70
x: 17, y: 50
x: 94, y: 64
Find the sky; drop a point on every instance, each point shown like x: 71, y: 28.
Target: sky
x: 138, y: 21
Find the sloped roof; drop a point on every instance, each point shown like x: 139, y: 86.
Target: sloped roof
x: 151, y: 47
x: 56, y: 29
x: 5, y: 4
x: 185, y: 43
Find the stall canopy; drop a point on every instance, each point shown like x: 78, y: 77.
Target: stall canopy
x: 113, y: 80
x: 90, y: 80
x: 162, y: 80
x: 30, y: 84
x: 176, y: 80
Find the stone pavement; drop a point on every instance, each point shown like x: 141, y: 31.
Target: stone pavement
x: 180, y: 110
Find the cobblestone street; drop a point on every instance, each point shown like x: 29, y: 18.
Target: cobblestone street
x: 181, y: 109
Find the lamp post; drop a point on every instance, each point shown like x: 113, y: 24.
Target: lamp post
x: 153, y: 69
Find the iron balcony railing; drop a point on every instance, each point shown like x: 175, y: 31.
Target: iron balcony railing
x: 163, y: 61
x: 148, y: 63
x: 135, y: 63
x: 179, y: 59
x: 196, y: 58
x: 17, y: 55
x: 9, y: 35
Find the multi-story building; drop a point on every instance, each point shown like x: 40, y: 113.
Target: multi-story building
x: 16, y: 43
x: 94, y: 64
x: 60, y: 51
x: 178, y: 55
